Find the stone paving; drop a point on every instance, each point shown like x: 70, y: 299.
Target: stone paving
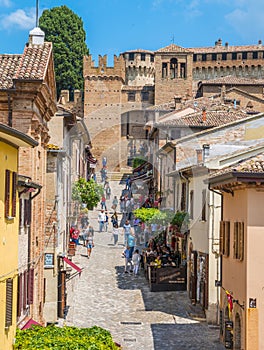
x: 137, y: 318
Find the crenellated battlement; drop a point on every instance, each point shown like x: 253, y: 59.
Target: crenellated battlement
x: 89, y: 68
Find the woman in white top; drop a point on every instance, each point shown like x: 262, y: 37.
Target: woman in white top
x: 115, y: 233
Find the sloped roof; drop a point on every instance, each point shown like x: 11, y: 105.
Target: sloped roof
x: 228, y: 48
x: 34, y: 61
x: 212, y: 119
x: 8, y: 68
x: 233, y: 80
x: 172, y: 48
x: 31, y: 65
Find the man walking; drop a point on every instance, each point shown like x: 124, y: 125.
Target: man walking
x: 127, y: 231
x: 101, y: 220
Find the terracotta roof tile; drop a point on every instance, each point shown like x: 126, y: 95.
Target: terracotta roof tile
x: 220, y: 49
x: 173, y: 48
x: 34, y: 62
x: 8, y: 68
x: 212, y: 119
x: 233, y: 80
x: 252, y: 165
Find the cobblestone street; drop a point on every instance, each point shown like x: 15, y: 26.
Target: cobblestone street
x: 137, y: 318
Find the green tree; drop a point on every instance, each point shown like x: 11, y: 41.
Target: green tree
x: 65, y: 30
x: 87, y: 192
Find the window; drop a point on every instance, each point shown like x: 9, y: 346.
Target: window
x: 238, y: 244
x: 183, y: 197
x: 173, y: 68
x: 131, y: 96
x: 255, y: 55
x: 214, y: 57
x: 244, y: 55
x: 183, y: 70
x: 204, y: 205
x: 234, y: 55
x: 151, y: 58
x: 195, y: 57
x: 10, y: 193
x: 9, y: 302
x: 143, y: 57
x: 224, y: 238
x: 204, y: 57
x: 164, y: 70
x: 224, y: 56
x: 145, y: 96
x: 131, y: 56
x: 191, y: 204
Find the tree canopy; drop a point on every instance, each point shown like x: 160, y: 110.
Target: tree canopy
x: 65, y: 30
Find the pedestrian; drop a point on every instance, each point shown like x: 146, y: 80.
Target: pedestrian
x: 108, y: 192
x: 131, y: 243
x: 114, y: 219
x: 106, y: 221
x: 91, y: 230
x: 128, y: 261
x: 90, y: 245
x: 128, y: 183
x: 104, y: 162
x: 136, y: 261
x: 127, y: 231
x: 74, y: 234
x: 101, y: 220
x: 115, y: 233
x: 114, y: 203
x: 103, y: 203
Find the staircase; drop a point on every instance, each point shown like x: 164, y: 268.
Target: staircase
x: 119, y: 176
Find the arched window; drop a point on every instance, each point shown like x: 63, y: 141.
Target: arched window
x: 173, y: 68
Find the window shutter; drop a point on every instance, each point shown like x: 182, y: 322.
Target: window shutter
x: 9, y: 302
x: 14, y: 193
x: 222, y: 229
x: 235, y: 243
x: 227, y: 238
x: 7, y: 192
x: 241, y: 241
x: 204, y: 205
x: 20, y: 295
x: 30, y: 286
x: 25, y: 278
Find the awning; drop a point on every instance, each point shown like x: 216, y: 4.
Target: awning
x: 30, y: 323
x: 69, y: 262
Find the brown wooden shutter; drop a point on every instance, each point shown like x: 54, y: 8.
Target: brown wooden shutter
x: 14, y: 193
x: 241, y: 241
x: 30, y: 286
x: 204, y: 205
x: 25, y: 279
x: 9, y: 302
x: 183, y: 197
x: 235, y: 240
x: 20, y: 295
x: 7, y: 193
x: 227, y: 234
x: 221, y: 236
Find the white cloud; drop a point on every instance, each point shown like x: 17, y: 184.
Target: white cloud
x: 20, y: 18
x: 5, y: 3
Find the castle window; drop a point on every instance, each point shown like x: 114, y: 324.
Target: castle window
x: 234, y: 55
x: 164, y: 70
x: 194, y: 57
x: 203, y: 57
x: 173, y: 68
x: 244, y: 55
x: 224, y: 56
x: 143, y: 57
x: 131, y: 56
x: 214, y: 57
x: 255, y: 55
x: 183, y: 70
x: 131, y: 96
x: 151, y: 58
x: 145, y: 96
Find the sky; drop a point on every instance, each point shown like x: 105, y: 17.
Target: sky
x: 115, y: 26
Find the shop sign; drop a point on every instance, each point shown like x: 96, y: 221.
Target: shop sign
x: 49, y: 260
x: 171, y: 275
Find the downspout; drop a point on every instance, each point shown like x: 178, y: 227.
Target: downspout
x: 10, y: 121
x: 217, y: 255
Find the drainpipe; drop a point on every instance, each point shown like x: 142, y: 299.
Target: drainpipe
x: 217, y: 255
x: 10, y: 121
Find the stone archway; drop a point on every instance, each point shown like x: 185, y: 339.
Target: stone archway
x: 237, y: 333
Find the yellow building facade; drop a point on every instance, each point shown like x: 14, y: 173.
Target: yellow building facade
x: 10, y: 141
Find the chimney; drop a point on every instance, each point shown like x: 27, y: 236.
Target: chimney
x: 36, y: 37
x: 226, y: 45
x: 177, y: 101
x: 199, y: 155
x: 204, y: 115
x: 260, y: 43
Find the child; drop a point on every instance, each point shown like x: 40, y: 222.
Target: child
x: 136, y: 260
